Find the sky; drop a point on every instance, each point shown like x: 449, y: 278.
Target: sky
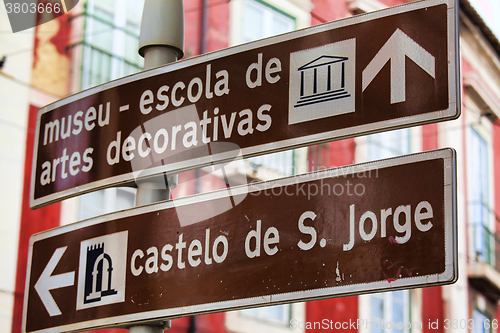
x: 490, y: 12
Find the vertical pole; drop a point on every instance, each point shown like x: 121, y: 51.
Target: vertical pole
x: 204, y: 26
x: 161, y: 42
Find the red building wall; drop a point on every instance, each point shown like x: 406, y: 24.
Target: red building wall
x: 32, y: 221
x: 341, y: 314
x: 327, y: 10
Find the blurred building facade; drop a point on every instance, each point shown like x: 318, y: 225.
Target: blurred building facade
x: 98, y: 41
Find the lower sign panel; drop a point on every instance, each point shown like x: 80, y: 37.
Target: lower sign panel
x: 378, y: 226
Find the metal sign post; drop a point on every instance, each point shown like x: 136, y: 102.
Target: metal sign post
x: 159, y: 47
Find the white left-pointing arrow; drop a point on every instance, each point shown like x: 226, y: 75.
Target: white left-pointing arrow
x: 47, y: 282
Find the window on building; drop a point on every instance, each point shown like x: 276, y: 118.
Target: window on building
x: 282, y: 162
x: 272, y: 319
x: 482, y: 323
x: 478, y: 203
x: 389, y: 312
x: 108, y: 50
x: 260, y: 21
x: 109, y: 46
x: 388, y: 144
x: 106, y: 201
x: 278, y: 314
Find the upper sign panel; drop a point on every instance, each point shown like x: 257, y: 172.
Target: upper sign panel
x: 384, y: 70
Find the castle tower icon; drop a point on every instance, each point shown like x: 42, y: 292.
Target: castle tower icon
x: 102, y: 270
x: 98, y: 274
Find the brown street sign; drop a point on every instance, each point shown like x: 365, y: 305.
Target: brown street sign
x: 389, y: 69
x: 384, y: 225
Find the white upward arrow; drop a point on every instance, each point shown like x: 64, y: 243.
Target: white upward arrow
x: 396, y: 49
x: 47, y: 282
